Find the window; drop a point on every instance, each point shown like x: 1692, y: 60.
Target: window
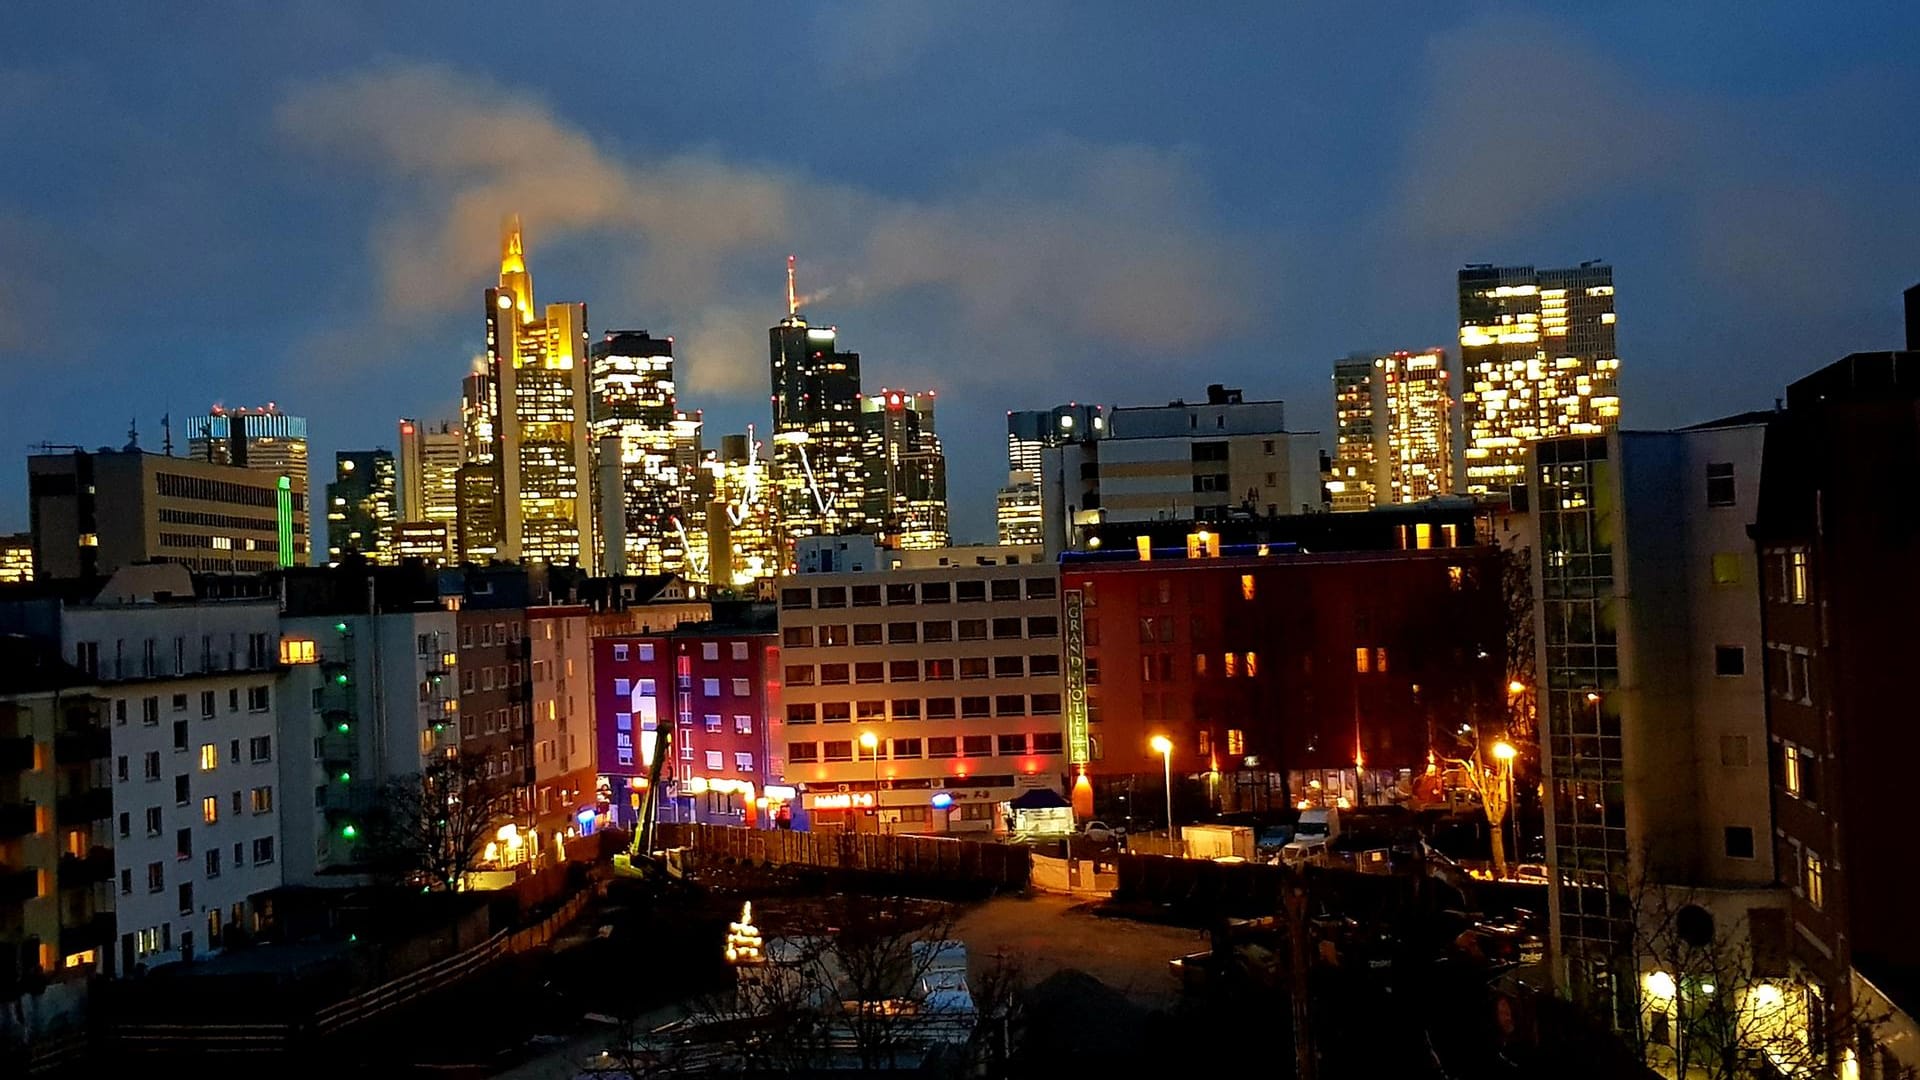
x: 973, y: 629
x: 153, y: 821
x: 936, y: 631
x: 1005, y: 589
x: 903, y: 670
x: 1253, y: 664
x: 150, y: 711
x: 936, y: 592
x: 263, y: 850
x: 970, y: 592
x: 1043, y: 664
x: 179, y: 703
x: 939, y: 670
x: 213, y: 862
x: 209, y: 757
x: 1045, y: 705
x: 210, y: 809
x: 798, y: 752
x: 156, y: 877
x: 832, y: 596
x: 1009, y: 704
x: 1006, y: 627
x: 866, y: 633
x: 181, y: 795
x: 206, y: 704
x: 1729, y: 660
x: 799, y: 674
x: 1739, y: 841
x: 233, y: 700
x: 710, y: 687
x: 260, y: 748
x: 906, y: 708
x: 126, y: 882
x: 646, y: 655
x: 1797, y: 576
x: 1047, y: 742
x: 1204, y: 744
x: 1816, y: 878
x: 835, y: 712
x: 1009, y: 667
x: 866, y: 596
x: 1042, y: 626
x: 1362, y: 659
x: 906, y: 748
x: 903, y: 633
x: 1733, y: 751
x: 797, y: 637
x: 1042, y: 588
x: 713, y: 721
x: 742, y: 724
x: 620, y: 653
x: 1093, y: 671
x: 901, y: 593
x: 943, y: 746
x: 940, y: 708
x: 833, y: 674
x: 838, y: 750
x: 976, y: 706
x: 126, y: 824
x: 1230, y: 665
x: 791, y: 599
x: 1720, y: 487
x: 742, y: 688
x: 976, y: 746
x: 866, y: 711
x: 709, y: 650
x: 1236, y: 742
x: 836, y: 635
x: 743, y: 761
x: 973, y: 667
x: 151, y: 761
x: 739, y: 649
x: 1790, y: 769
x: 686, y: 751
x: 716, y: 760
x: 1726, y: 568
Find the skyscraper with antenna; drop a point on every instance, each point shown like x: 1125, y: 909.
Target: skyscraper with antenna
x: 822, y: 472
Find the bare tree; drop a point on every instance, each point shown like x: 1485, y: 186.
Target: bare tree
x: 1493, y: 783
x: 430, y: 828
x: 1516, y: 589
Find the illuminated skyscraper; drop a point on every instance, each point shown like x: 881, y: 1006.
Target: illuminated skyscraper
x: 430, y: 460
x: 741, y: 549
x: 16, y: 558
x: 362, y: 505
x: 1537, y: 356
x: 540, y: 470
x: 1395, y: 418
x: 909, y: 468
x: 820, y: 465
x: 479, y: 517
x: 1017, y: 508
x: 630, y: 382
x: 263, y: 439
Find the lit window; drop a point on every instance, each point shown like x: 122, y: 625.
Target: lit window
x: 296, y: 651
x: 1236, y: 742
x: 1363, y: 659
x: 715, y: 760
x: 1246, y: 586
x: 1816, y: 877
x: 1790, y: 769
x: 1230, y: 665
x: 1380, y: 660
x: 1726, y: 568
x: 1253, y: 665
x: 210, y: 809
x: 209, y: 757
x: 1797, y: 577
x: 1199, y: 667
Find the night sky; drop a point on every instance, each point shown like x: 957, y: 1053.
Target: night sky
x: 1016, y: 205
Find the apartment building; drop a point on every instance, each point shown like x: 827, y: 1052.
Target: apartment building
x: 903, y: 685
x: 561, y: 673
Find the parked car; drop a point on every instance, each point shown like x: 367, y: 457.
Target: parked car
x: 1100, y: 832
x: 1531, y: 873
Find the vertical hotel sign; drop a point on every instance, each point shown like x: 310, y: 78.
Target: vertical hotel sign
x: 283, y: 507
x: 1078, y: 745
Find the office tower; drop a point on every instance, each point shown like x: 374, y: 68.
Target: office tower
x: 742, y: 548
x: 909, y: 468
x: 1017, y: 507
x: 990, y: 634
x: 430, y: 460
x: 361, y: 508
x: 1652, y: 711
x: 821, y: 460
x: 1537, y: 359
x: 631, y: 394
x: 1837, y: 540
x: 94, y: 512
x: 16, y: 558
x: 1228, y: 459
x: 1394, y: 416
x: 263, y: 439
x: 529, y: 472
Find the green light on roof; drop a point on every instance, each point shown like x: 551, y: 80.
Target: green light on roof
x: 349, y: 831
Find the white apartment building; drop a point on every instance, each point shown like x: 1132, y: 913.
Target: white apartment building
x: 951, y: 672
x: 564, y: 781
x: 191, y: 687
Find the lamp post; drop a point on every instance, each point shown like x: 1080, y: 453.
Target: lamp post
x: 1164, y: 747
x: 872, y: 744
x: 1504, y: 752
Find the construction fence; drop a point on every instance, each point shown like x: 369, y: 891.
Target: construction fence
x: 1000, y: 866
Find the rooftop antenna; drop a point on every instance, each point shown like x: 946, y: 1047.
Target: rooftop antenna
x: 793, y: 298
x: 133, y: 433
x: 166, y: 433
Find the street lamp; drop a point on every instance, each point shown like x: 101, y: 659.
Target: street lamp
x: 872, y: 744
x: 1516, y: 687
x: 1164, y: 747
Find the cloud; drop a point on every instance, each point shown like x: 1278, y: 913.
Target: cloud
x: 1107, y: 246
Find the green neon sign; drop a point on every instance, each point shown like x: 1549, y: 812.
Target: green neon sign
x: 283, y: 503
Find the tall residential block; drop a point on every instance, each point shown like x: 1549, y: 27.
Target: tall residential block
x: 910, y: 470
x: 1537, y: 361
x: 631, y: 387
x: 362, y: 505
x: 821, y: 458
x: 94, y: 512
x: 1394, y: 416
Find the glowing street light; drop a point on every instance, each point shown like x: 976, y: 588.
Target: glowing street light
x: 871, y: 743
x: 1505, y: 752
x: 1516, y: 687
x: 1164, y: 747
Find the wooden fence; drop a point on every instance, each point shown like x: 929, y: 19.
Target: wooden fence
x: 1001, y: 866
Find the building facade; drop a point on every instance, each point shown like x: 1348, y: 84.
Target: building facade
x: 631, y: 392
x: 742, y: 549
x: 822, y: 461
x: 264, y: 439
x: 910, y: 470
x: 362, y: 505
x: 95, y: 512
x: 1018, y: 509
x: 1394, y: 416
x: 16, y: 558
x: 429, y: 489
x: 955, y: 673
x: 561, y: 672
x: 1538, y: 361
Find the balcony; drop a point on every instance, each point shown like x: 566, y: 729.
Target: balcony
x: 16, y: 819
x: 16, y: 754
x: 80, y: 871
x: 90, y: 744
x: 94, y: 804
x: 18, y: 886
x: 96, y: 933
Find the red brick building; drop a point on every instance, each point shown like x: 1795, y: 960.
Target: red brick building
x: 718, y: 685
x: 1283, y: 677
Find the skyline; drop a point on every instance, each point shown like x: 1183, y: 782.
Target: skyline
x: 1010, y: 233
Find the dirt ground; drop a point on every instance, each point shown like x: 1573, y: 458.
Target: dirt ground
x: 1046, y: 934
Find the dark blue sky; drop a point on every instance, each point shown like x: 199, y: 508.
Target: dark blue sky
x: 1013, y: 204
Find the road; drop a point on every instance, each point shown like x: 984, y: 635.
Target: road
x: 1047, y: 934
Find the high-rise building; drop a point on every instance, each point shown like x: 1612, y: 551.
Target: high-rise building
x: 264, y: 439
x: 430, y: 460
x: 821, y: 466
x: 1018, y: 512
x: 631, y: 387
x: 94, y: 512
x: 529, y: 476
x: 361, y: 508
x: 742, y: 546
x: 16, y: 558
x: 909, y: 469
x: 1394, y: 417
x: 1223, y: 460
x: 1537, y: 359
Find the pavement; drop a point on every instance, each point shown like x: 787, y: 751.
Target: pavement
x: 1045, y: 934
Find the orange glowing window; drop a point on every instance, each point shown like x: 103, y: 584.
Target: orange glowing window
x: 1253, y: 664
x: 1363, y: 659
x: 1246, y: 586
x: 1230, y: 665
